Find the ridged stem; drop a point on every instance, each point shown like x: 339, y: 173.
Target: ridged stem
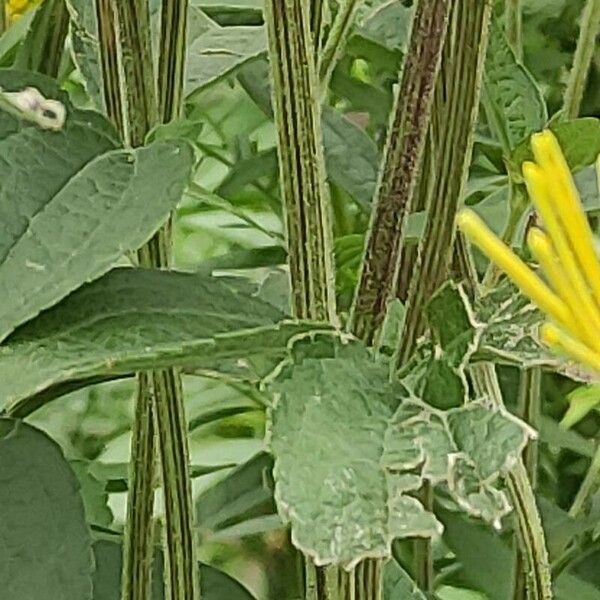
x: 584, y: 53
x: 129, y: 101
x: 159, y: 405
x: 294, y: 29
x: 529, y: 526
x: 301, y: 164
x: 399, y: 175
x: 336, y: 40
x: 454, y: 115
x: 530, y: 411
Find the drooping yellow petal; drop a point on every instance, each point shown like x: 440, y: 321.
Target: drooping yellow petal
x: 539, y: 190
x: 542, y: 249
x: 563, y: 343
x: 529, y: 283
x: 567, y: 205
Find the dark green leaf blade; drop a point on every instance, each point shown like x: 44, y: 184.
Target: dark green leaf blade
x: 46, y: 544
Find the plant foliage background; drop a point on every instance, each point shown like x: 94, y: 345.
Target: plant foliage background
x: 76, y: 323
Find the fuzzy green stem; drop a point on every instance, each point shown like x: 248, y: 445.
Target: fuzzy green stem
x: 530, y: 411
x: 586, y: 45
x: 317, y: 24
x: 171, y: 62
x: 107, y: 38
x: 513, y: 12
x: 336, y: 40
x: 400, y: 170
x: 301, y: 164
x: 454, y: 116
x: 133, y: 119
x: 45, y: 55
x: 307, y: 212
x: 529, y: 526
x: 165, y: 395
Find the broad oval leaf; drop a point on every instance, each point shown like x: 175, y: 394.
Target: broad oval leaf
x: 111, y: 206
x: 45, y: 548
x: 136, y: 319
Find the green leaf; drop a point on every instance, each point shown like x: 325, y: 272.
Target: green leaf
x: 388, y: 24
x: 94, y: 495
x: 487, y: 563
x: 216, y: 585
x: 46, y: 545
x: 243, y: 496
x: 351, y: 157
x: 215, y: 52
x: 355, y: 497
x: 579, y: 140
x: 511, y: 326
x: 85, y: 47
x: 582, y: 401
x: 398, y: 585
x: 78, y: 231
x: 514, y: 104
x: 558, y: 437
x: 136, y: 319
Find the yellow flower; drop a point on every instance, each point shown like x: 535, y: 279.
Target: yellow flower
x: 16, y: 8
x: 565, y: 252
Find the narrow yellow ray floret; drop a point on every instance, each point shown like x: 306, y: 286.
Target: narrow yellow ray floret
x: 565, y: 252
x: 527, y: 281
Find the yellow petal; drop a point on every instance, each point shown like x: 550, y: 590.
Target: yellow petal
x: 542, y: 249
x: 567, y: 205
x: 529, y: 283
x: 563, y: 343
x: 539, y: 190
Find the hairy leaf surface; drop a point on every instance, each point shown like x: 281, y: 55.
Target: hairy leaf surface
x: 351, y: 449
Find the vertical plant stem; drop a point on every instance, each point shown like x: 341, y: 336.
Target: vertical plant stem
x: 171, y: 61
x: 529, y: 526
x: 139, y: 113
x: 107, y: 38
x: 130, y: 103
x: 530, y: 411
x: 317, y: 24
x: 301, y: 163
x: 454, y: 115
x: 513, y: 13
x: 400, y: 170
x: 293, y: 66
x: 138, y: 547
x: 584, y: 52
x: 336, y: 40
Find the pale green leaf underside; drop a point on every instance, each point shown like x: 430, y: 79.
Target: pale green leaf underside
x: 135, y: 319
x: 112, y: 206
x: 350, y: 453
x: 45, y: 548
